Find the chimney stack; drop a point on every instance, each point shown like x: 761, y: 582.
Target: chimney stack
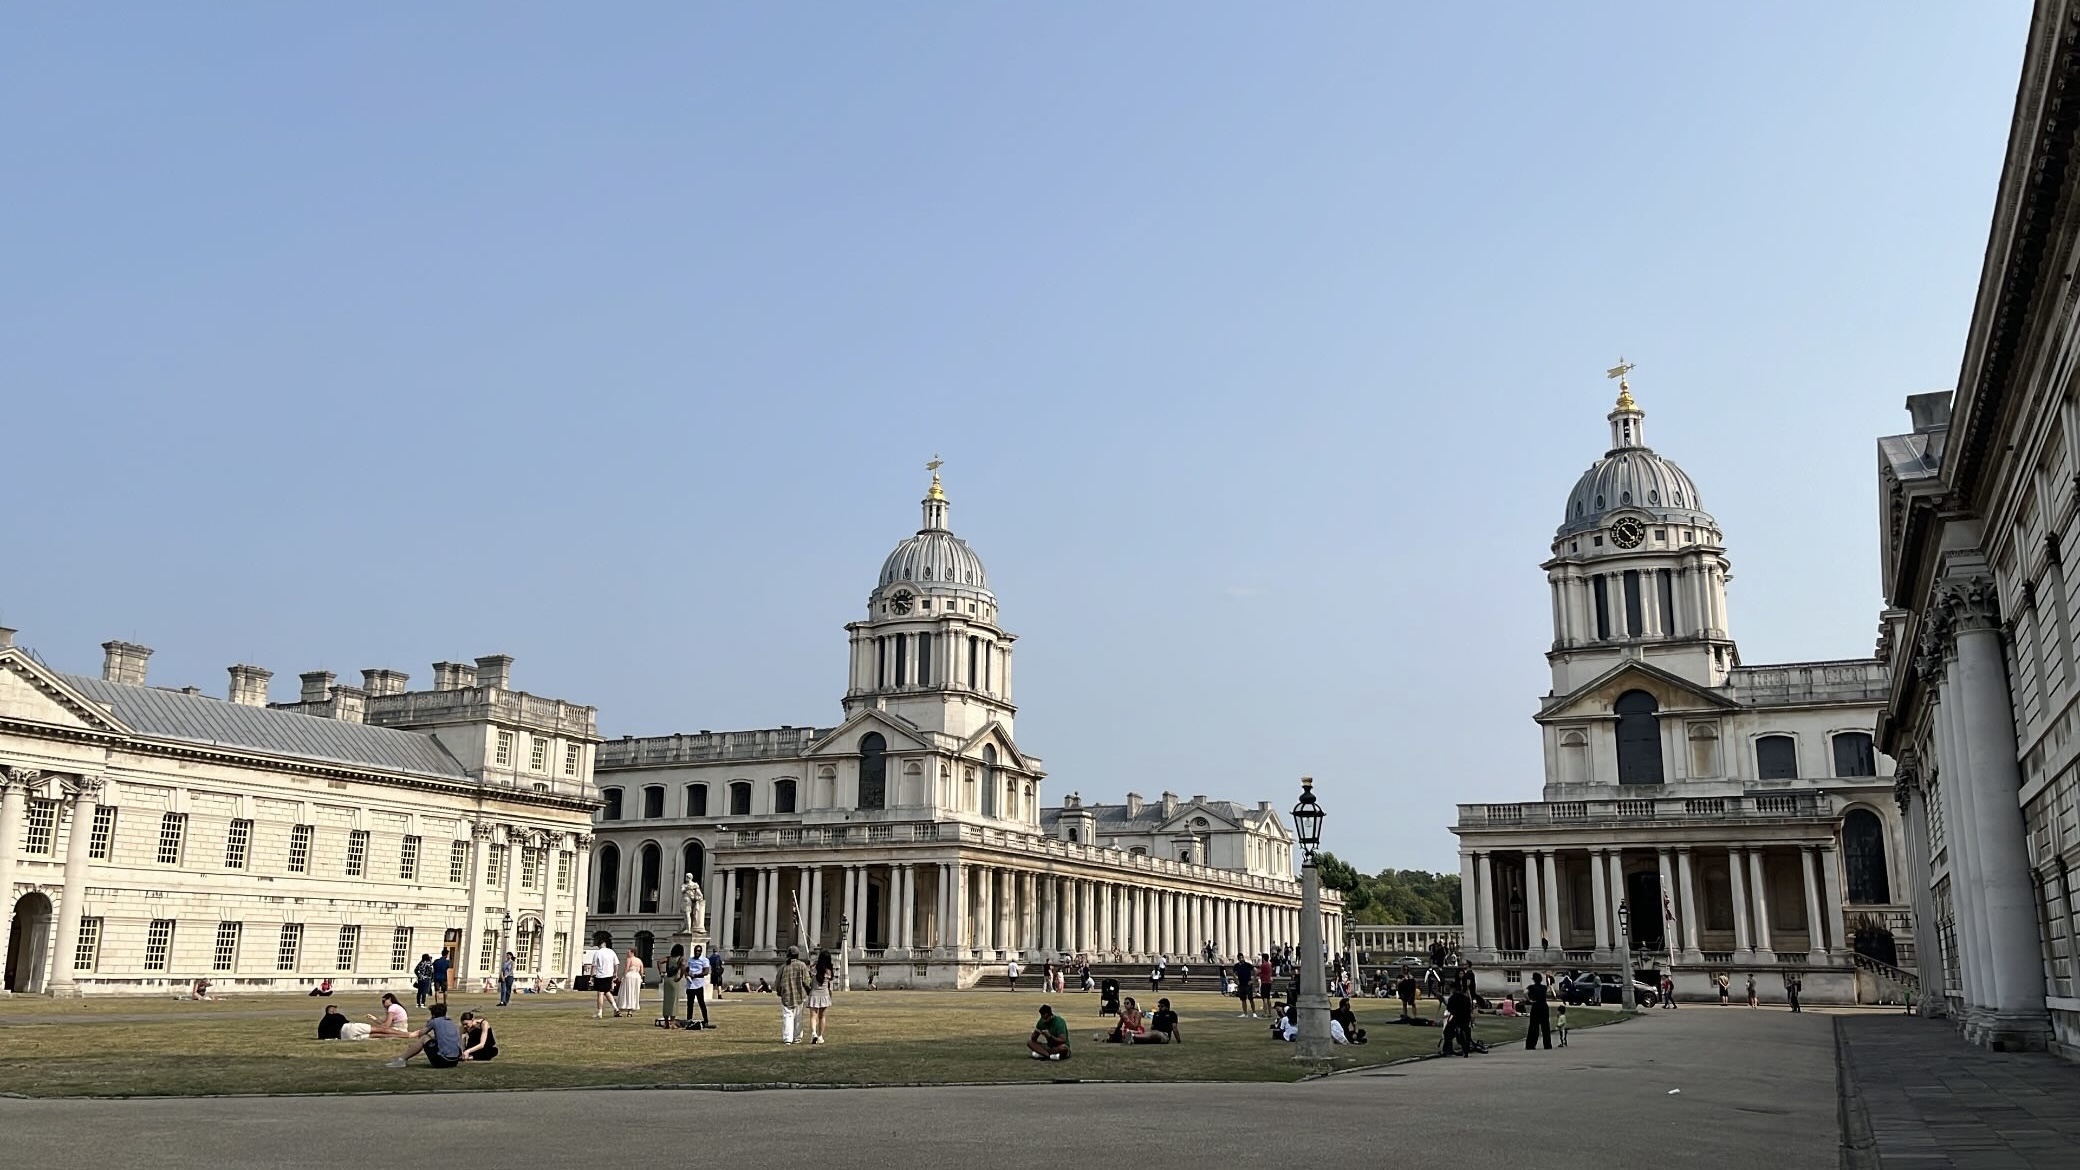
x: 123, y: 662
x: 1169, y: 804
x: 317, y: 685
x: 384, y: 682
x: 249, y: 685
x: 1133, y: 805
x: 452, y: 676
x: 349, y: 704
x: 495, y: 670
x: 6, y: 638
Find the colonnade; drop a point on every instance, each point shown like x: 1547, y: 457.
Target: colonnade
x: 961, y: 908
x: 1536, y: 898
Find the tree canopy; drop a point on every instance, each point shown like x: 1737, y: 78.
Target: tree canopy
x: 1397, y: 897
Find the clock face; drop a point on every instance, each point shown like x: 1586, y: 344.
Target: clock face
x: 900, y: 603
x: 1628, y: 533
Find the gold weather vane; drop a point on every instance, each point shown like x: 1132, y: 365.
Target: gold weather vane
x: 937, y: 493
x: 1619, y: 372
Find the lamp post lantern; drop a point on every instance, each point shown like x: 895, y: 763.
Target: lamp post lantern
x: 1311, y: 1002
x: 1625, y: 996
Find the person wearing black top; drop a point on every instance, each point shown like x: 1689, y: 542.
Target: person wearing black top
x: 478, y: 1044
x: 1459, y: 1012
x: 1347, y: 1019
x: 1541, y: 1015
x: 330, y: 1023
x: 1162, y: 1026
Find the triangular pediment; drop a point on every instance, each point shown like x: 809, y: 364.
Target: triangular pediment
x: 1187, y: 813
x: 1671, y: 691
x: 1008, y: 755
x: 901, y: 734
x: 32, y: 694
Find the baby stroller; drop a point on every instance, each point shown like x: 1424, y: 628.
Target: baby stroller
x: 1108, y: 998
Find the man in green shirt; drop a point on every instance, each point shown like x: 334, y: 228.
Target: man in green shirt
x: 1050, y: 1039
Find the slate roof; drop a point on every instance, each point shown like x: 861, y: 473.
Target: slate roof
x: 1114, y: 817
x: 163, y: 714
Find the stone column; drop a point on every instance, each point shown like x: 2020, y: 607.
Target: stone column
x: 1551, y: 888
x: 726, y: 911
x: 1966, y: 891
x: 545, y: 872
x: 758, y: 908
x: 1831, y: 890
x: 1667, y: 901
x: 1912, y: 799
x: 1686, y: 882
x: 479, y: 884
x: 1816, y: 938
x: 850, y: 922
x: 581, y: 883
x: 1469, y: 904
x: 909, y: 907
x: 812, y: 920
x: 1623, y: 943
x: 1758, y: 879
x: 1534, y: 907
x: 83, y: 793
x: 14, y: 798
x: 1599, y: 878
x: 1736, y: 872
x: 1991, y: 780
x: 1484, y: 887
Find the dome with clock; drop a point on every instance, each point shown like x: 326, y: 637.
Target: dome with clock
x: 1632, y: 478
x: 934, y: 560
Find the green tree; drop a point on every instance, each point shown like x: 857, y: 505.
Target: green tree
x: 1397, y: 897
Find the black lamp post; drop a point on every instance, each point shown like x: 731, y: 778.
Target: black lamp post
x: 1312, y: 1002
x: 1625, y: 995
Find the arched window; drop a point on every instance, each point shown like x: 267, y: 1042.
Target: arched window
x: 1137, y: 851
x: 648, y: 872
x: 1574, y: 758
x: 1639, y: 738
x: 696, y: 800
x: 1863, y: 856
x: 873, y: 771
x: 610, y: 810
x: 607, y: 886
x: 740, y: 798
x: 783, y: 796
x: 1853, y: 755
x: 1776, y: 757
x: 1073, y: 836
x: 692, y: 860
x: 653, y: 801
x: 989, y: 780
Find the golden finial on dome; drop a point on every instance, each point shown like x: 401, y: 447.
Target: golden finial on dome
x: 937, y: 492
x: 1619, y: 371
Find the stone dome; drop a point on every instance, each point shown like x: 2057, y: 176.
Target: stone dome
x: 935, y: 557
x: 1633, y: 478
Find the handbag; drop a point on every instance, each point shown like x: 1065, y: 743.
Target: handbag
x: 582, y: 981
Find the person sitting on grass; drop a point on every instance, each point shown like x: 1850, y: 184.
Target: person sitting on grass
x: 392, y: 1022
x: 440, y: 1040
x: 1162, y: 1026
x: 1050, y: 1038
x: 331, y: 1022
x: 1131, y: 1026
x: 1286, y: 1025
x: 324, y: 988
x: 1509, y: 1005
x: 200, y: 990
x: 478, y: 1044
x: 1343, y: 1023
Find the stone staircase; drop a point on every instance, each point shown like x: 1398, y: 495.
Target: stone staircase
x: 1882, y: 983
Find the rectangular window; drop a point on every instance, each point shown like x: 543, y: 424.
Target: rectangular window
x: 1635, y: 617
x: 226, y: 957
x: 88, y: 953
x: 103, y: 833
x: 43, y: 829
x: 290, y: 949
x: 173, y: 833
x: 1668, y: 602
x: 349, y: 946
x: 357, y: 852
x: 902, y: 659
x: 401, y: 949
x: 529, y: 862
x: 570, y: 759
x: 653, y: 801
x: 496, y: 864
x: 236, y: 843
x: 974, y: 655
x: 563, y: 870
x: 458, y: 863
x: 489, y: 954
x: 158, y: 944
x: 538, y: 754
x: 562, y: 952
x: 881, y: 662
x: 696, y: 800
x: 504, y: 758
x: 408, y: 859
x: 1600, y: 587
x: 924, y: 660
x: 300, y: 849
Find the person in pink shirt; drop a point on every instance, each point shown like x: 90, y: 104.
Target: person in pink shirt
x: 393, y: 1021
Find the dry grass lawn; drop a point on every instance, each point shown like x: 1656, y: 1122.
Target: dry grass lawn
x: 262, y: 1044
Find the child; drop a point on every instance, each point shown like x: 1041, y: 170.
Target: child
x: 1560, y: 1023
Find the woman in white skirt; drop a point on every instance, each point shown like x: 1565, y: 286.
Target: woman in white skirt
x: 822, y: 978
x: 628, y: 998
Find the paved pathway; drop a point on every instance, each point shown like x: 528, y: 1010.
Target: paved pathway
x: 1757, y: 1090
x: 1933, y: 1101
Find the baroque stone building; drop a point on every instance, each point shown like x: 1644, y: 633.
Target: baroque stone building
x: 1979, y: 505
x: 151, y: 836
x: 1737, y: 814
x: 914, y: 829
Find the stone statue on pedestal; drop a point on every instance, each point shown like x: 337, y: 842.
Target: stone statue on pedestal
x: 696, y: 908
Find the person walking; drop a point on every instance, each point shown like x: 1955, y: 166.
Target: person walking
x: 1792, y: 986
x: 794, y: 986
x: 1407, y: 991
x: 1753, y: 999
x: 628, y: 998
x: 1458, y: 1022
x: 670, y: 978
x: 1560, y: 1022
x: 422, y: 978
x: 442, y: 967
x: 505, y: 980
x: 1011, y: 973
x: 600, y: 960
x: 1541, y: 1020
x: 1668, y: 990
x: 823, y: 978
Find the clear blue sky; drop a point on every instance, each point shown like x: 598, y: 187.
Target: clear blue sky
x: 1263, y: 343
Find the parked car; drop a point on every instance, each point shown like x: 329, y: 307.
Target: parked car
x: 1600, y: 987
